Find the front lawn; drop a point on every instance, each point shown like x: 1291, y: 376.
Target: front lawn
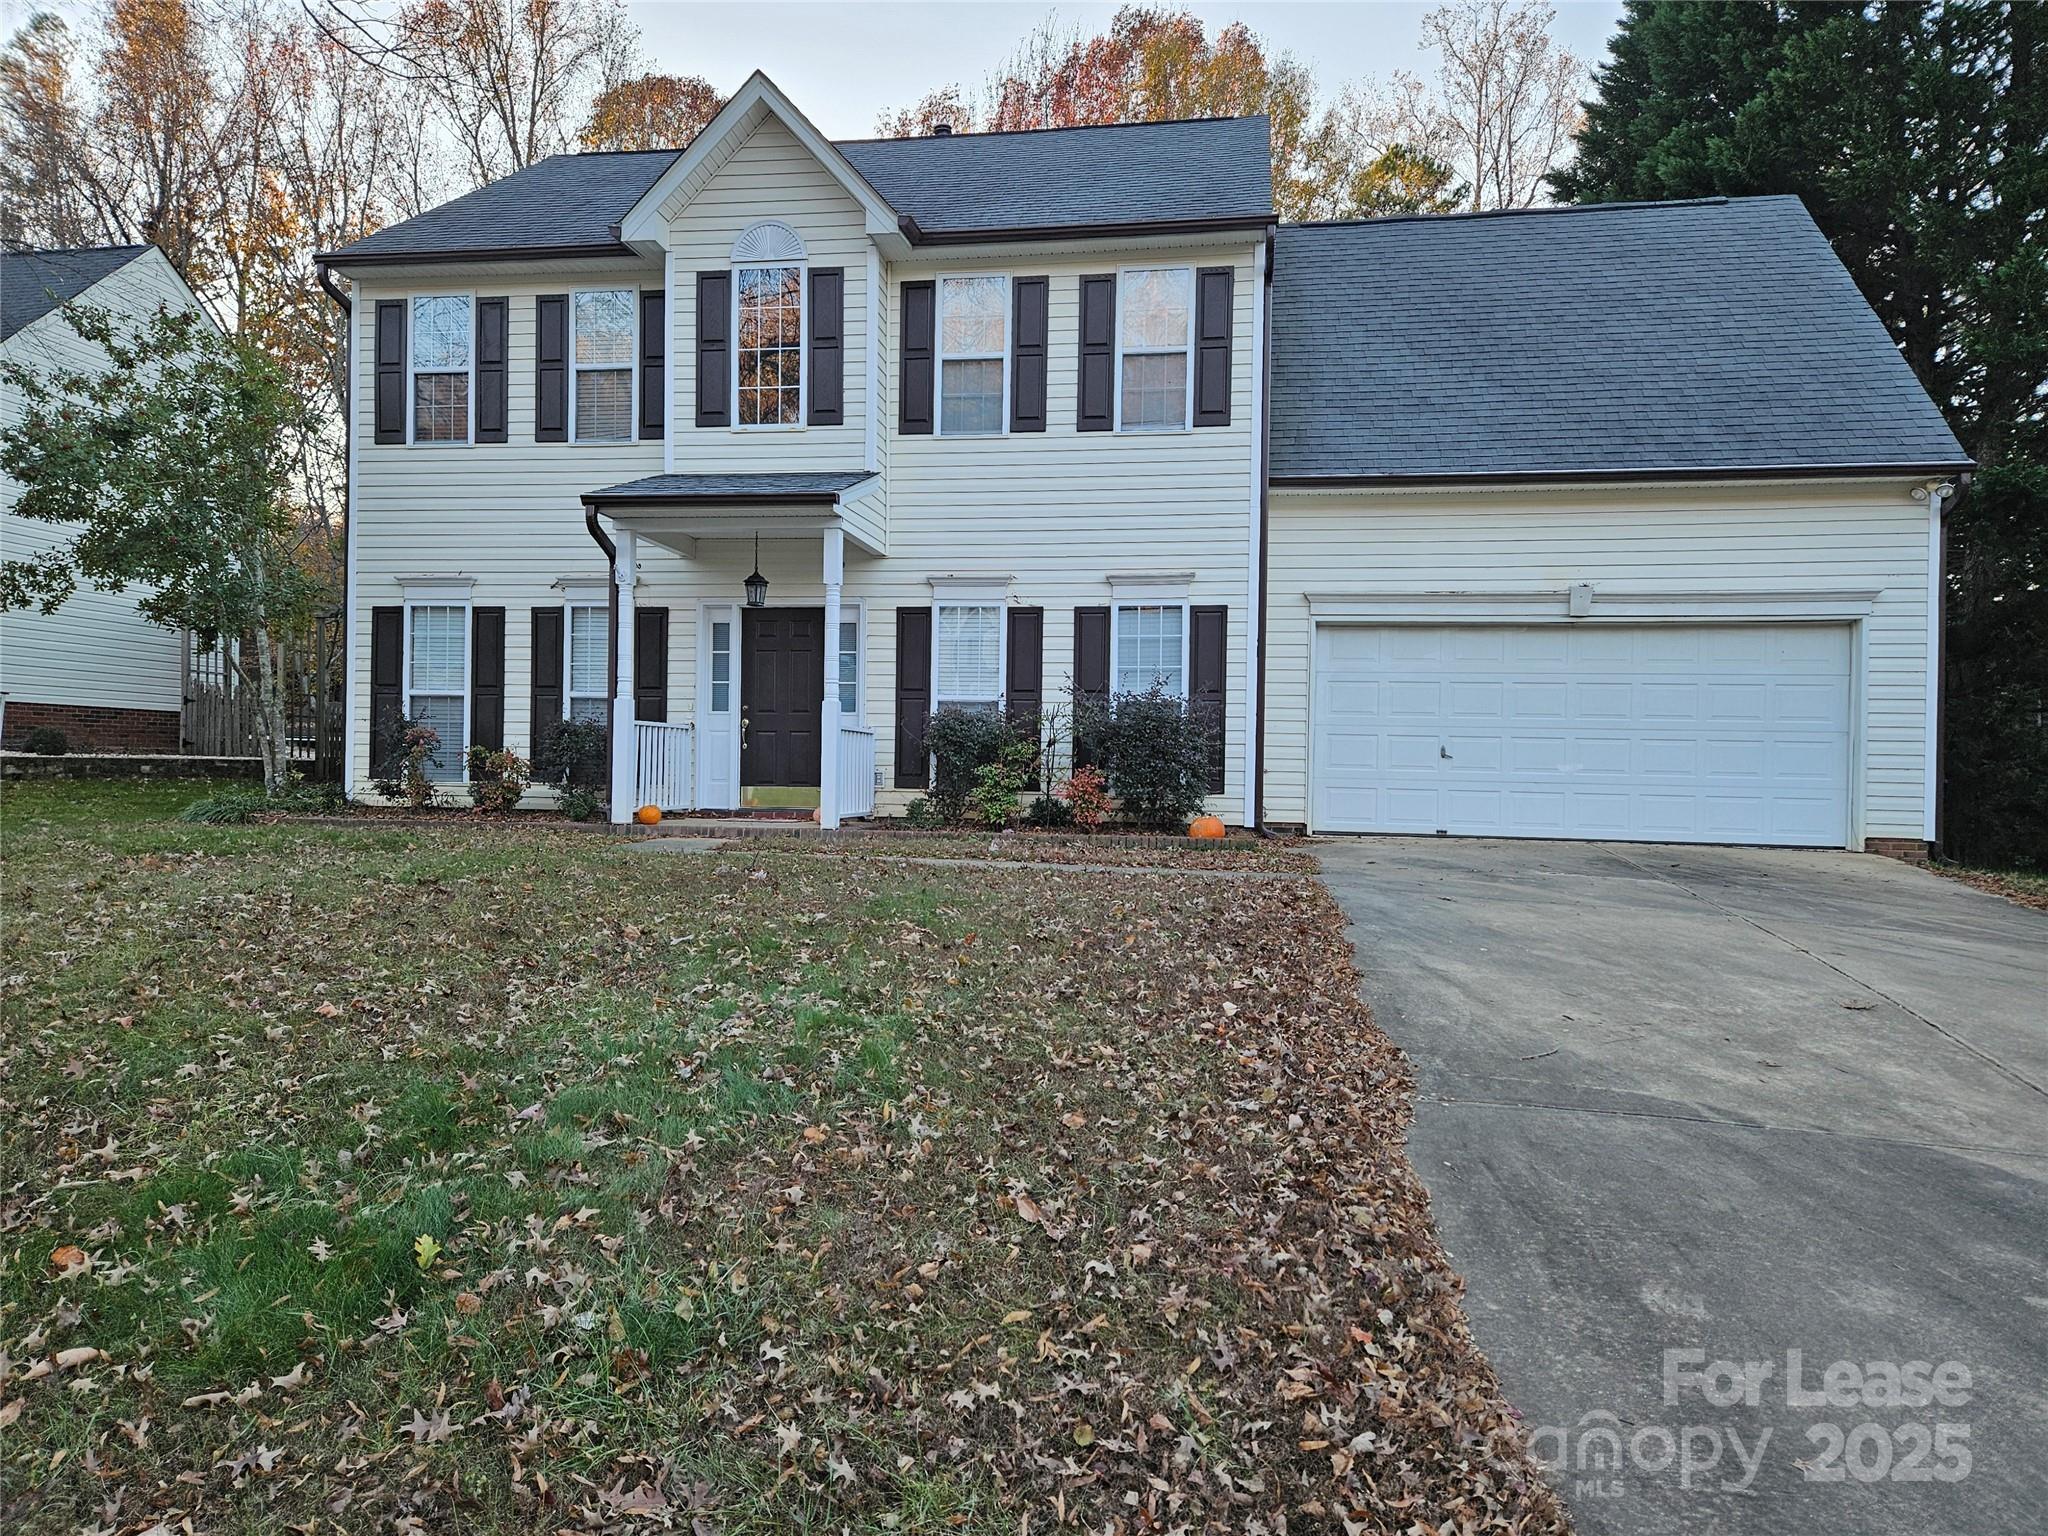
x: 500, y: 1179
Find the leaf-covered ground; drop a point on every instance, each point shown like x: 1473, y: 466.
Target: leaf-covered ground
x: 356, y: 1179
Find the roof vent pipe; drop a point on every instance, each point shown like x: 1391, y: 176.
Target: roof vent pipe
x: 942, y: 130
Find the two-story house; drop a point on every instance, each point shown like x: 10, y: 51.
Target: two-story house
x: 1608, y: 523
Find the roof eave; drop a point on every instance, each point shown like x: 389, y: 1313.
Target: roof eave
x: 1648, y: 473
x: 924, y: 237
x: 602, y: 499
x: 603, y: 250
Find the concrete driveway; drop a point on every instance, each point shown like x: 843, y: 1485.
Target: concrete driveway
x: 1739, y: 1103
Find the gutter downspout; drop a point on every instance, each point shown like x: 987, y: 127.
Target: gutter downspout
x: 611, y: 627
x: 1265, y: 430
x: 325, y: 278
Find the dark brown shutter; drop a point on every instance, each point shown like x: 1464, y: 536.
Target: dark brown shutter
x: 1091, y: 670
x: 650, y: 663
x: 714, y: 350
x: 914, y: 389
x: 913, y: 695
x: 487, y: 678
x: 1208, y: 662
x: 1027, y: 356
x: 653, y: 364
x: 545, y: 671
x: 551, y: 368
x: 1024, y: 688
x: 828, y: 347
x: 389, y: 406
x: 1095, y: 385
x: 490, y: 369
x: 1213, y: 322
x: 387, y: 685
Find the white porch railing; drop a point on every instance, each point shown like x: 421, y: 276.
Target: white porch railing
x: 856, y: 771
x: 666, y: 774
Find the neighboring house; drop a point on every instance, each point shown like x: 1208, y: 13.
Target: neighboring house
x: 1581, y: 523
x: 95, y: 669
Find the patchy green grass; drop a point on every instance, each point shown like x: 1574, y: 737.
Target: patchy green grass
x: 2029, y: 888
x: 495, y: 1178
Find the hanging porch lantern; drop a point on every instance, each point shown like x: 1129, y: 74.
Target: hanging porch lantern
x: 757, y: 584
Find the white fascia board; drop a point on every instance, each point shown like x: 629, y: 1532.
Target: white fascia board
x: 643, y: 223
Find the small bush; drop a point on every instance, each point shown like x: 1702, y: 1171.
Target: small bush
x: 572, y: 752
x: 993, y: 800
x: 922, y: 813
x: 1154, y: 750
x: 409, y: 749
x: 497, y: 778
x: 964, y: 741
x: 227, y: 807
x: 1086, y: 797
x: 581, y: 804
x: 1048, y: 814
x: 46, y: 741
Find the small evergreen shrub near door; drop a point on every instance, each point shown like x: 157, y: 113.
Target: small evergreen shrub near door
x: 962, y: 743
x: 1153, y: 749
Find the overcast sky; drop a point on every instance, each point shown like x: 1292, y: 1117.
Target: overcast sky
x: 844, y: 61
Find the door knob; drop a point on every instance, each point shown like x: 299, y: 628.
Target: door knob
x: 1443, y: 752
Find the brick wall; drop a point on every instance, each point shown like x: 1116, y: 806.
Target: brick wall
x: 90, y: 728
x: 1912, y: 849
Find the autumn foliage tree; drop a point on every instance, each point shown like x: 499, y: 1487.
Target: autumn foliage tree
x: 650, y: 112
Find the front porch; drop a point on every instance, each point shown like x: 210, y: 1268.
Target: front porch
x: 771, y: 724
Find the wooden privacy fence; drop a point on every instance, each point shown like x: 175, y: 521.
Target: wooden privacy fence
x: 219, y: 714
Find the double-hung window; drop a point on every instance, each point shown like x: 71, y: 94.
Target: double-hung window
x: 967, y: 655
x: 974, y: 334
x: 1151, y: 648
x: 437, y: 682
x: 589, y: 663
x: 1155, y: 308
x: 769, y: 357
x: 603, y: 322
x: 443, y: 361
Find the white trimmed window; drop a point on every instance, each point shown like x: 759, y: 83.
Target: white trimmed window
x: 769, y: 355
x: 589, y: 670
x: 848, y: 674
x: 974, y: 349
x: 721, y: 666
x: 443, y: 363
x: 437, y: 682
x: 967, y: 655
x: 1155, y: 332
x: 1151, y: 648
x: 602, y: 322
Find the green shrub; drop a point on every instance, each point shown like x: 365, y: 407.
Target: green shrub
x: 1154, y: 751
x: 1049, y: 813
x: 964, y: 741
x: 46, y: 741
x: 572, y: 752
x: 409, y: 748
x: 227, y: 807
x: 497, y: 778
x: 922, y: 813
x: 581, y: 804
x: 993, y: 800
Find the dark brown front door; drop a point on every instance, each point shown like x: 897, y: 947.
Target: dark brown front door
x: 782, y: 689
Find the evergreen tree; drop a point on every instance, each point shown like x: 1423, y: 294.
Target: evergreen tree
x: 1917, y: 134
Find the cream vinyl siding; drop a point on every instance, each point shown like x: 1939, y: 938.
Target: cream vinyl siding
x: 1720, y: 540
x: 509, y: 515
x: 96, y: 649
x: 770, y: 176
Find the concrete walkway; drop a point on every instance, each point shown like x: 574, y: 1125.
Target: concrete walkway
x: 1741, y: 1103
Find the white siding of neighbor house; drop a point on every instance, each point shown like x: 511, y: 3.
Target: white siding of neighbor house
x: 1721, y: 539
x: 96, y: 649
x: 1056, y: 512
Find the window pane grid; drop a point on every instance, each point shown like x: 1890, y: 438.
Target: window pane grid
x: 974, y: 327
x: 437, y: 680
x: 440, y: 332
x: 770, y: 346
x: 1148, y: 650
x: 721, y: 667
x: 588, y: 673
x: 440, y: 408
x: 849, y: 668
x: 970, y: 657
x: 1155, y: 313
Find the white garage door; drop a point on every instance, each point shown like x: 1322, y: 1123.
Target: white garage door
x: 1661, y: 733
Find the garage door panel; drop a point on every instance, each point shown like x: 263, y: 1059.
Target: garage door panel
x: 1668, y: 733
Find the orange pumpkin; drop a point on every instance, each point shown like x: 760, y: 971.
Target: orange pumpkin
x: 1206, y: 827
x: 648, y: 815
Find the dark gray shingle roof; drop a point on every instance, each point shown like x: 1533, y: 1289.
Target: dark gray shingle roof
x: 1675, y: 336
x: 32, y: 283
x: 1219, y: 171
x: 565, y: 202
x: 1066, y: 178
x: 787, y: 485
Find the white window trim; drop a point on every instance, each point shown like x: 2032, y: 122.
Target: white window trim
x: 803, y: 348
x: 632, y: 366
x: 412, y: 372
x: 1126, y: 605
x: 730, y: 617
x: 852, y: 612
x: 1187, y: 413
x: 413, y: 602
x: 1002, y: 427
x: 569, y: 606
x: 1002, y: 608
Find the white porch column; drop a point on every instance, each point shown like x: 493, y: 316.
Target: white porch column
x: 625, y: 741
x: 828, y: 713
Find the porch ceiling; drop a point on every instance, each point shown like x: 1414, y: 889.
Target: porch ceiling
x: 677, y: 510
